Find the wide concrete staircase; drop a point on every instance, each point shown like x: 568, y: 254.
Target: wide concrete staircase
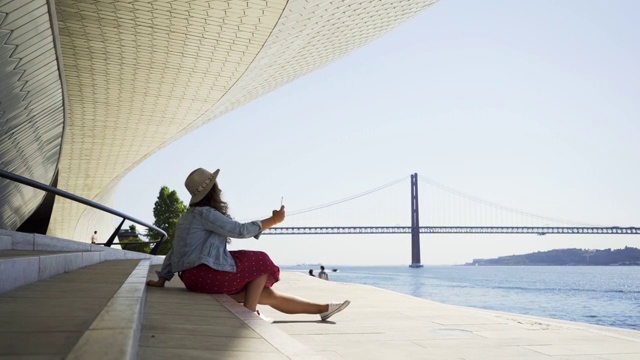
x: 62, y: 299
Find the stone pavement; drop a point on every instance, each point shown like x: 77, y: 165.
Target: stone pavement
x: 381, y: 324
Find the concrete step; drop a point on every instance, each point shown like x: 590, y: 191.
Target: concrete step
x: 26, y: 258
x: 5, y: 242
x: 21, y: 267
x: 179, y: 324
x: 90, y: 313
x: 14, y: 240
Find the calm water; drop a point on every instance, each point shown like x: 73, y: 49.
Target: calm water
x: 603, y: 295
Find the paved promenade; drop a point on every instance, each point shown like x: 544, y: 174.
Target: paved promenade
x: 72, y: 316
x: 381, y: 324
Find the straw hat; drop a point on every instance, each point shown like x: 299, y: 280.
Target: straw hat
x: 199, y: 183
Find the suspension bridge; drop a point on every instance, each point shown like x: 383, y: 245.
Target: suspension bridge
x: 563, y: 227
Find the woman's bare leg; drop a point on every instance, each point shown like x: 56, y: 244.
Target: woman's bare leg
x: 290, y: 304
x: 253, y: 291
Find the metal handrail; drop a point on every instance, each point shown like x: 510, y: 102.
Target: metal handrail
x: 40, y: 186
x: 130, y: 243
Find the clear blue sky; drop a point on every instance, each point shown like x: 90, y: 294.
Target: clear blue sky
x: 530, y: 104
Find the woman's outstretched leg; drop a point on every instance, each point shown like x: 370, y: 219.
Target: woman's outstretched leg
x: 290, y: 304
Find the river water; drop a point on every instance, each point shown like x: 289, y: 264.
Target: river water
x: 602, y: 295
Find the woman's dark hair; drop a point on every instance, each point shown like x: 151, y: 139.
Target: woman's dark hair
x: 213, y: 199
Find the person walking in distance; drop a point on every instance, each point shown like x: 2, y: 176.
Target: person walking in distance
x: 323, y: 274
x: 203, y: 263
x: 94, y: 237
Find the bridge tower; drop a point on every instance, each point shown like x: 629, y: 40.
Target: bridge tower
x: 415, y: 224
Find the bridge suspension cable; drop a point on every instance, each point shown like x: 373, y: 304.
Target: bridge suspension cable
x: 497, y: 206
x: 353, y: 197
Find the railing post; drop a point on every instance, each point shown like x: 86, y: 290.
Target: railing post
x: 113, y: 236
x: 156, y: 247
x: 415, y: 224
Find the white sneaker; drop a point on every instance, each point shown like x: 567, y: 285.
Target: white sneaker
x: 334, y: 308
x: 267, y: 319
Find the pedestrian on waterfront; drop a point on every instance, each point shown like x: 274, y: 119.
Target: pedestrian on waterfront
x: 94, y: 237
x: 203, y: 263
x: 323, y: 274
x: 311, y: 273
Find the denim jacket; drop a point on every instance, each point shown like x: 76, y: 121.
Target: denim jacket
x: 201, y: 238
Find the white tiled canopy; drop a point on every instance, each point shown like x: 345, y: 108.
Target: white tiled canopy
x: 140, y: 74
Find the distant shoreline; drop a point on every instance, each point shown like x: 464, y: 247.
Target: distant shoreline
x: 567, y: 257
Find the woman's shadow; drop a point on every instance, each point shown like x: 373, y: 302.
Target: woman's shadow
x: 328, y: 322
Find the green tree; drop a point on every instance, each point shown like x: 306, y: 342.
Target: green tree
x: 143, y: 248
x: 166, y: 211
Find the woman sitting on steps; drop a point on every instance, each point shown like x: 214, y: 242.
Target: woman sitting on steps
x: 203, y: 263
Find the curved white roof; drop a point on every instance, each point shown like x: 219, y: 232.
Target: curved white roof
x: 140, y: 74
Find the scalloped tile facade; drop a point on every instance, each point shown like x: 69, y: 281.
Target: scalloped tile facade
x: 158, y: 69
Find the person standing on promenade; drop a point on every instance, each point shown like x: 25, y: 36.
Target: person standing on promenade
x: 203, y: 263
x: 323, y: 274
x: 94, y: 237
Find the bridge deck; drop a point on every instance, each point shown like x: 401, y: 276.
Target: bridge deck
x: 535, y: 230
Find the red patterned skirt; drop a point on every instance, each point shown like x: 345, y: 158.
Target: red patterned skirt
x: 250, y: 265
